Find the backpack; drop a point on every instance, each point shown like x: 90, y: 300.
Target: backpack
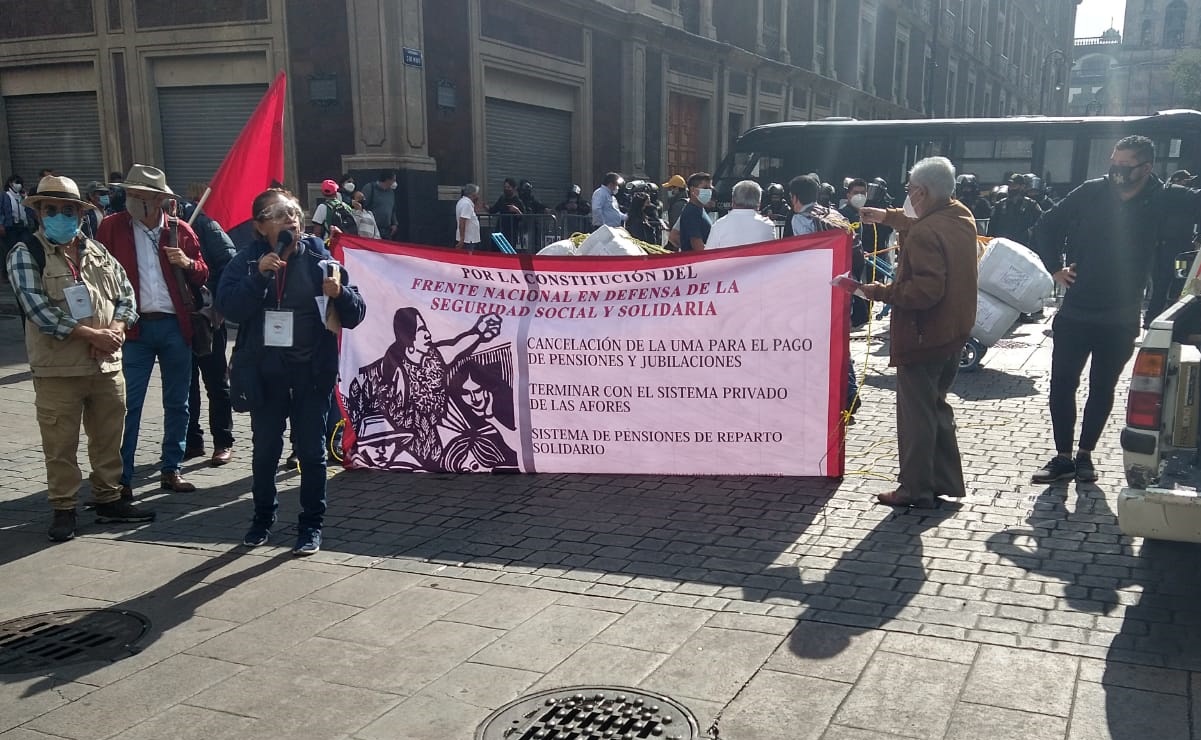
x: 337, y: 213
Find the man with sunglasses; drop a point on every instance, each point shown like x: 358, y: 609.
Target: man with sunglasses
x: 77, y: 303
x: 1101, y: 243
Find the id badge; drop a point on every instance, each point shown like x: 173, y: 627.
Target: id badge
x: 277, y: 329
x: 79, y: 301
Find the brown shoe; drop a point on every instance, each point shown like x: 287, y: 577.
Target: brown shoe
x: 893, y: 498
x: 173, y: 481
x: 221, y: 455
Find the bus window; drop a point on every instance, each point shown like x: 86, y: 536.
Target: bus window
x: 1057, y: 162
x: 1099, y: 152
x: 992, y: 159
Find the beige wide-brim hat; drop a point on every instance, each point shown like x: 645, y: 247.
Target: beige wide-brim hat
x: 59, y: 189
x: 147, y: 179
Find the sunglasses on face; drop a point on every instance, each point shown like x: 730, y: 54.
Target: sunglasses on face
x: 1124, y: 170
x: 67, y: 210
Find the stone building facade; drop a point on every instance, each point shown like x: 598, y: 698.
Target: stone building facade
x: 452, y: 91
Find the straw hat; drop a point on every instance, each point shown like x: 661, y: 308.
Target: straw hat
x: 147, y: 179
x: 53, y: 187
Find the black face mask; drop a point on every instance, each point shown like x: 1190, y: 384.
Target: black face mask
x: 1119, y: 174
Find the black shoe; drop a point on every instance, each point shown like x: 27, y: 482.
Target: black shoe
x: 309, y: 541
x: 126, y: 493
x: 1060, y: 467
x: 193, y: 451
x: 122, y: 512
x: 62, y: 527
x: 1085, y: 472
x: 259, y: 533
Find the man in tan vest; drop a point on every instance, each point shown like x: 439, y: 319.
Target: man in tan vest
x: 77, y: 303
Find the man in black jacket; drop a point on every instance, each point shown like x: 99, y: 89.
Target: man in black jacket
x: 1015, y: 216
x: 1108, y: 233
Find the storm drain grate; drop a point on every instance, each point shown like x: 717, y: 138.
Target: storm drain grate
x: 62, y: 638
x: 590, y: 713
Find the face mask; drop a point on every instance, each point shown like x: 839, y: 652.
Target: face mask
x: 910, y: 211
x: 60, y: 228
x: 858, y: 200
x: 137, y: 208
x: 16, y: 187
x: 348, y: 187
x: 104, y: 200
x: 704, y: 195
x: 395, y: 185
x: 1120, y: 174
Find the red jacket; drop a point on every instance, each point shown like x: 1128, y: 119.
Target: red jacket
x: 116, y: 233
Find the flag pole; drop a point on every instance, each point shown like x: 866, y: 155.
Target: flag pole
x: 200, y: 205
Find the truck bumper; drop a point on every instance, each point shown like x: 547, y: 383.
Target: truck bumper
x: 1160, y: 514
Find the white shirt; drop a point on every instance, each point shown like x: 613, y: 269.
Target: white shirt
x: 604, y: 208
x: 320, y: 213
x: 465, y: 208
x: 153, y: 296
x: 740, y: 226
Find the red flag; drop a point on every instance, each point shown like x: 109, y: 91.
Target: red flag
x: 255, y: 163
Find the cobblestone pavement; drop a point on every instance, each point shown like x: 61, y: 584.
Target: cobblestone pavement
x: 772, y: 607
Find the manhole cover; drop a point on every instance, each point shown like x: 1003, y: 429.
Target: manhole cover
x: 68, y: 637
x: 590, y: 713
x: 1010, y: 344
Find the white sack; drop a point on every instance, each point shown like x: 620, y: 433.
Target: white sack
x: 608, y: 241
x: 562, y: 248
x: 993, y: 319
x: 1014, y: 274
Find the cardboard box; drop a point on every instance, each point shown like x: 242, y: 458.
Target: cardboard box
x: 1188, y: 388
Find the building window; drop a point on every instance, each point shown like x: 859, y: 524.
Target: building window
x: 952, y: 84
x: 867, y: 53
x: 823, y: 34
x: 691, y: 11
x: 1173, y: 23
x: 1145, y: 37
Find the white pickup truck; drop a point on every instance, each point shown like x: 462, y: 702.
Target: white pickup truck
x: 1160, y: 444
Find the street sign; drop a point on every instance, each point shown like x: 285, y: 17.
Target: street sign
x: 413, y: 57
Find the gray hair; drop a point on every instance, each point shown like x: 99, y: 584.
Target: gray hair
x: 471, y: 189
x: 936, y: 175
x: 747, y: 194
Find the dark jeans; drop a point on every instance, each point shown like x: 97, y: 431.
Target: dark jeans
x: 214, y: 369
x: 1075, y: 341
x: 291, y: 399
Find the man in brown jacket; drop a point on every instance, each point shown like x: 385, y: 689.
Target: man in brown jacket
x: 934, y: 308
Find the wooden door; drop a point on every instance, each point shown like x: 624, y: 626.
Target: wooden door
x: 685, y: 127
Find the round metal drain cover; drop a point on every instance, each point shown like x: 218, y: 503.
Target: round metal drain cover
x: 68, y: 637
x: 590, y: 713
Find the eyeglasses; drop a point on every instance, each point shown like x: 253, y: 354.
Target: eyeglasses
x: 281, y: 211
x: 67, y: 210
x: 1125, y: 169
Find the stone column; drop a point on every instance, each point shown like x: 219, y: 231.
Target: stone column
x: 633, y: 130
x: 390, y: 108
x: 785, y: 55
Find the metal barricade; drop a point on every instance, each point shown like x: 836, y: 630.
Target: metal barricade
x: 574, y: 223
x: 982, y: 226
x: 527, y: 232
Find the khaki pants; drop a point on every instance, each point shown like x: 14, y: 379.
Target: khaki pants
x: 99, y: 402
x: 929, y: 453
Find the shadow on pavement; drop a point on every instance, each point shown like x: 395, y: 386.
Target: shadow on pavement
x: 870, y: 584
x: 167, y: 607
x: 1151, y: 587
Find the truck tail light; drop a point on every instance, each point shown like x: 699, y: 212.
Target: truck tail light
x: 1144, y: 405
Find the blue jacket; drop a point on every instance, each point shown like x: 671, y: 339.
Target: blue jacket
x: 8, y: 217
x: 244, y: 293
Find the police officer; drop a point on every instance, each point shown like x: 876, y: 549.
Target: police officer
x: 1015, y: 216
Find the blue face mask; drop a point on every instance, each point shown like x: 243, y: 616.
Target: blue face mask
x: 60, y: 228
x: 104, y: 201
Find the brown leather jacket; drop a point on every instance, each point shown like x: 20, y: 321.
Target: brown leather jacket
x: 934, y: 294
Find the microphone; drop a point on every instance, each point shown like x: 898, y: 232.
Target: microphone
x: 282, y: 242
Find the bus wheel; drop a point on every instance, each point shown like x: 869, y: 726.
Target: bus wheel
x: 970, y: 356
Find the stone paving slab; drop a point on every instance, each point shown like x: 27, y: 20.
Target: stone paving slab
x: 760, y: 603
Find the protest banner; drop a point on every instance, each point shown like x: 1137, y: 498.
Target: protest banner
x: 730, y: 362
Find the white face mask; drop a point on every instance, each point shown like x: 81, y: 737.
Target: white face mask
x: 858, y: 200
x: 16, y: 188
x: 704, y: 195
x: 395, y: 184
x: 348, y: 187
x: 910, y: 211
